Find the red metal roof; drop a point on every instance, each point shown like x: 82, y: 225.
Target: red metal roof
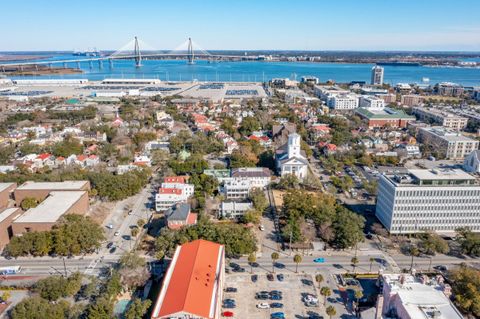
x: 164, y: 190
x: 191, y: 282
x: 174, y: 179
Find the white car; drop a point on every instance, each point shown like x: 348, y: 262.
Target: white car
x: 116, y: 233
x: 263, y: 305
x: 261, y: 227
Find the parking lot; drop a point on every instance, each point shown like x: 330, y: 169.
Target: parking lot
x: 293, y: 288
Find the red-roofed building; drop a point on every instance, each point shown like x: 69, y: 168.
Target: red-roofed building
x: 167, y: 197
x: 193, y: 284
x: 175, y: 179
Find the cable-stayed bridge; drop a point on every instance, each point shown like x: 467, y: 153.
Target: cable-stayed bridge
x: 137, y: 51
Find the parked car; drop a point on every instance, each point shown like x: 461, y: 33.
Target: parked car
x: 263, y: 305
x: 276, y: 305
x: 110, y: 245
x: 275, y: 292
x: 112, y: 250
x: 110, y: 226
x: 254, y: 278
x: 280, y: 277
x: 229, y: 306
x: 227, y: 314
x: 262, y: 297
x: 276, y: 297
x: 116, y: 233
x: 270, y: 277
x: 261, y: 227
x: 277, y: 315
x: 231, y: 289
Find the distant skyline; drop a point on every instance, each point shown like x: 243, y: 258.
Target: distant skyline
x: 369, y: 25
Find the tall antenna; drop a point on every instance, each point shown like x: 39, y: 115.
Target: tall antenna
x: 190, y: 54
x: 138, y: 55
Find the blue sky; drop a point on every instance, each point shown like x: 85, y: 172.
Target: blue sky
x: 242, y: 24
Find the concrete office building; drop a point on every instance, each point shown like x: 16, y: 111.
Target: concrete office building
x: 371, y: 102
x: 343, y: 102
x: 41, y: 190
x: 440, y: 200
x: 48, y: 212
x: 377, y: 75
x: 6, y: 218
x: 445, y: 119
x: 233, y: 209
x: 383, y: 117
x: 257, y: 176
x: 448, y: 143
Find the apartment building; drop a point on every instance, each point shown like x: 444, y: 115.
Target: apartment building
x: 440, y: 200
x: 377, y: 75
x: 411, y: 100
x: 343, y: 102
x: 442, y: 118
x: 167, y: 197
x: 448, y: 143
x: 371, y: 102
x: 232, y: 209
x: 236, y: 188
x: 259, y: 177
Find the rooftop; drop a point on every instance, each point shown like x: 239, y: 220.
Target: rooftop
x: 420, y: 300
x: 178, y: 211
x: 441, y: 174
x: 191, y: 282
x: 4, y: 186
x: 432, y: 177
x: 52, y: 208
x: 383, y: 113
x: 61, y: 186
x: 7, y: 212
x: 446, y: 134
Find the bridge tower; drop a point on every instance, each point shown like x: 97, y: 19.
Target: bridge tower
x: 190, y: 55
x: 138, y: 56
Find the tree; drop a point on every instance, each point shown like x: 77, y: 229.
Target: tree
x: 348, y: 228
x: 260, y: 202
x: 325, y: 292
x: 29, y: 202
x: 137, y: 309
x: 274, y: 257
x: 102, y: 308
x: 319, y: 279
x: 38, y: 308
x: 67, y: 147
x: 413, y: 252
x: 252, y: 258
x: 251, y: 216
x: 371, y: 263
x: 466, y: 286
x: 431, y: 243
x: 297, y: 259
x: 331, y: 311
x: 288, y: 181
x: 134, y: 231
x: 5, y: 296
x: 469, y: 241
x: 248, y: 125
x: 354, y: 262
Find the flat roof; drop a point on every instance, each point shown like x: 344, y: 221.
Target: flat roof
x: 52, y: 208
x: 440, y: 174
x: 191, y: 282
x: 66, y: 185
x: 4, y: 186
x: 446, y: 134
x: 383, y: 113
x: 7, y: 212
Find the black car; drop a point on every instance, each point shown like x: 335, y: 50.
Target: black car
x: 229, y: 306
x: 110, y: 245
x: 280, y: 277
x: 114, y: 249
x: 228, y: 301
x: 254, y: 278
x: 231, y: 289
x: 262, y: 297
x: 276, y: 305
x: 275, y: 292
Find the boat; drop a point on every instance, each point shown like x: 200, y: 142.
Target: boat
x: 425, y: 79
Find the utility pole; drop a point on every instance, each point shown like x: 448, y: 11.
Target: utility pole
x: 65, y: 267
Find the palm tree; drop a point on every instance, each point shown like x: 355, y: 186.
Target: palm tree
x: 274, y: 257
x: 325, y: 292
x: 371, y: 263
x: 331, y: 311
x: 354, y: 263
x: 319, y: 279
x: 251, y: 259
x: 297, y: 259
x: 413, y: 252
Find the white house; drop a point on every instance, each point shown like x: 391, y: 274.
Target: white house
x: 290, y: 159
x: 472, y: 162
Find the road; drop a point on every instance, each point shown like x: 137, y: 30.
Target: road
x: 92, y: 264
